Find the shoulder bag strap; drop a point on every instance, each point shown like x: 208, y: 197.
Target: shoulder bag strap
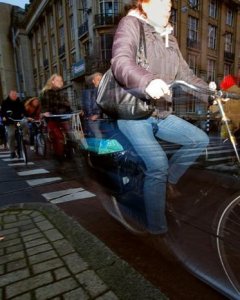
x: 142, y: 48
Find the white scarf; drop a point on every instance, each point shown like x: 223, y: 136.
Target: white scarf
x: 163, y: 31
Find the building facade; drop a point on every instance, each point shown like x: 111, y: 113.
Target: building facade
x: 74, y: 38
x: 8, y: 78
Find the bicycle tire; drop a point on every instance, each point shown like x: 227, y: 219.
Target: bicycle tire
x: 23, y: 150
x: 228, y: 242
x: 40, y: 145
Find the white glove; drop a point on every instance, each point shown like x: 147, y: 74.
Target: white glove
x: 157, y: 88
x: 212, y: 86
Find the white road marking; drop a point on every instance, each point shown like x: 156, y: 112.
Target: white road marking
x: 13, y: 159
x: 67, y: 195
x: 53, y: 195
x: 4, y: 155
x: 33, y: 172
x: 41, y: 181
x: 20, y: 164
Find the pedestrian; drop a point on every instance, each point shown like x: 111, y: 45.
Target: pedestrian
x: 165, y: 64
x: 13, y: 107
x: 92, y: 112
x: 54, y: 102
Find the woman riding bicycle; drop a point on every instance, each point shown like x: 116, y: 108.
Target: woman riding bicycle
x: 54, y: 102
x: 165, y: 64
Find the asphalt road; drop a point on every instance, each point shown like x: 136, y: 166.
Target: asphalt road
x: 146, y: 254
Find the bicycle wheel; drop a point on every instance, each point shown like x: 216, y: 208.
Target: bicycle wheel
x: 22, y: 150
x: 40, y: 145
x: 228, y: 242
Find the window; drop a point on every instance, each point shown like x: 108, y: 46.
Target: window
x: 106, y: 41
x: 227, y: 69
x: 38, y: 37
x: 61, y: 36
x: 109, y: 7
x: 211, y: 69
x: 45, y: 51
x: 212, y: 36
x: 40, y: 57
x: 229, y: 17
x: 213, y: 9
x: 228, y: 42
x: 55, y: 70
x: 192, y: 62
x: 72, y: 31
x: 44, y: 30
x: 60, y: 9
x: 174, y: 21
x: 85, y: 50
x: 53, y: 45
x: 33, y: 43
x: 73, y: 58
x: 51, y: 23
x: 64, y: 69
x: 192, y: 28
x: 194, y: 4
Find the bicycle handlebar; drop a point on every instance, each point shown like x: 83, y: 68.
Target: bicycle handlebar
x: 216, y: 94
x: 191, y: 86
x: 223, y: 94
x: 64, y: 116
x: 16, y: 120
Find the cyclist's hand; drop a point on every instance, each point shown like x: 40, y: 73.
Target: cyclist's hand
x: 46, y: 114
x: 94, y: 117
x: 212, y: 86
x: 157, y: 88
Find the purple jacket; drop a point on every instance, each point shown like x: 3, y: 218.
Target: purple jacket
x: 164, y: 63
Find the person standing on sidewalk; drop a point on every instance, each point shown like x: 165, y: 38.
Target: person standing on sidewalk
x: 14, y: 108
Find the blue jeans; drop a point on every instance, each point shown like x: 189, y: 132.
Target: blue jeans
x: 158, y: 169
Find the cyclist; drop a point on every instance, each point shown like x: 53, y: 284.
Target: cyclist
x: 33, y: 110
x: 14, y: 105
x: 91, y: 110
x: 54, y: 102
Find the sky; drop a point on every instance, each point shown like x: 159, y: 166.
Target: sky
x: 20, y: 3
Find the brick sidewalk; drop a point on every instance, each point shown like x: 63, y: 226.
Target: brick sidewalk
x: 47, y: 255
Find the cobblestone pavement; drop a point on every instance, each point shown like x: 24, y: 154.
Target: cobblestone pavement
x: 47, y: 255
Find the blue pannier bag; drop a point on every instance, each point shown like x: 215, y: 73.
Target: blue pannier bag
x: 103, y: 146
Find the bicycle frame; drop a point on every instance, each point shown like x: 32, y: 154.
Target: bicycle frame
x: 218, y: 95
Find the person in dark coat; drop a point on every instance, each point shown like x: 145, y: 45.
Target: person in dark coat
x: 92, y: 112
x: 13, y: 103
